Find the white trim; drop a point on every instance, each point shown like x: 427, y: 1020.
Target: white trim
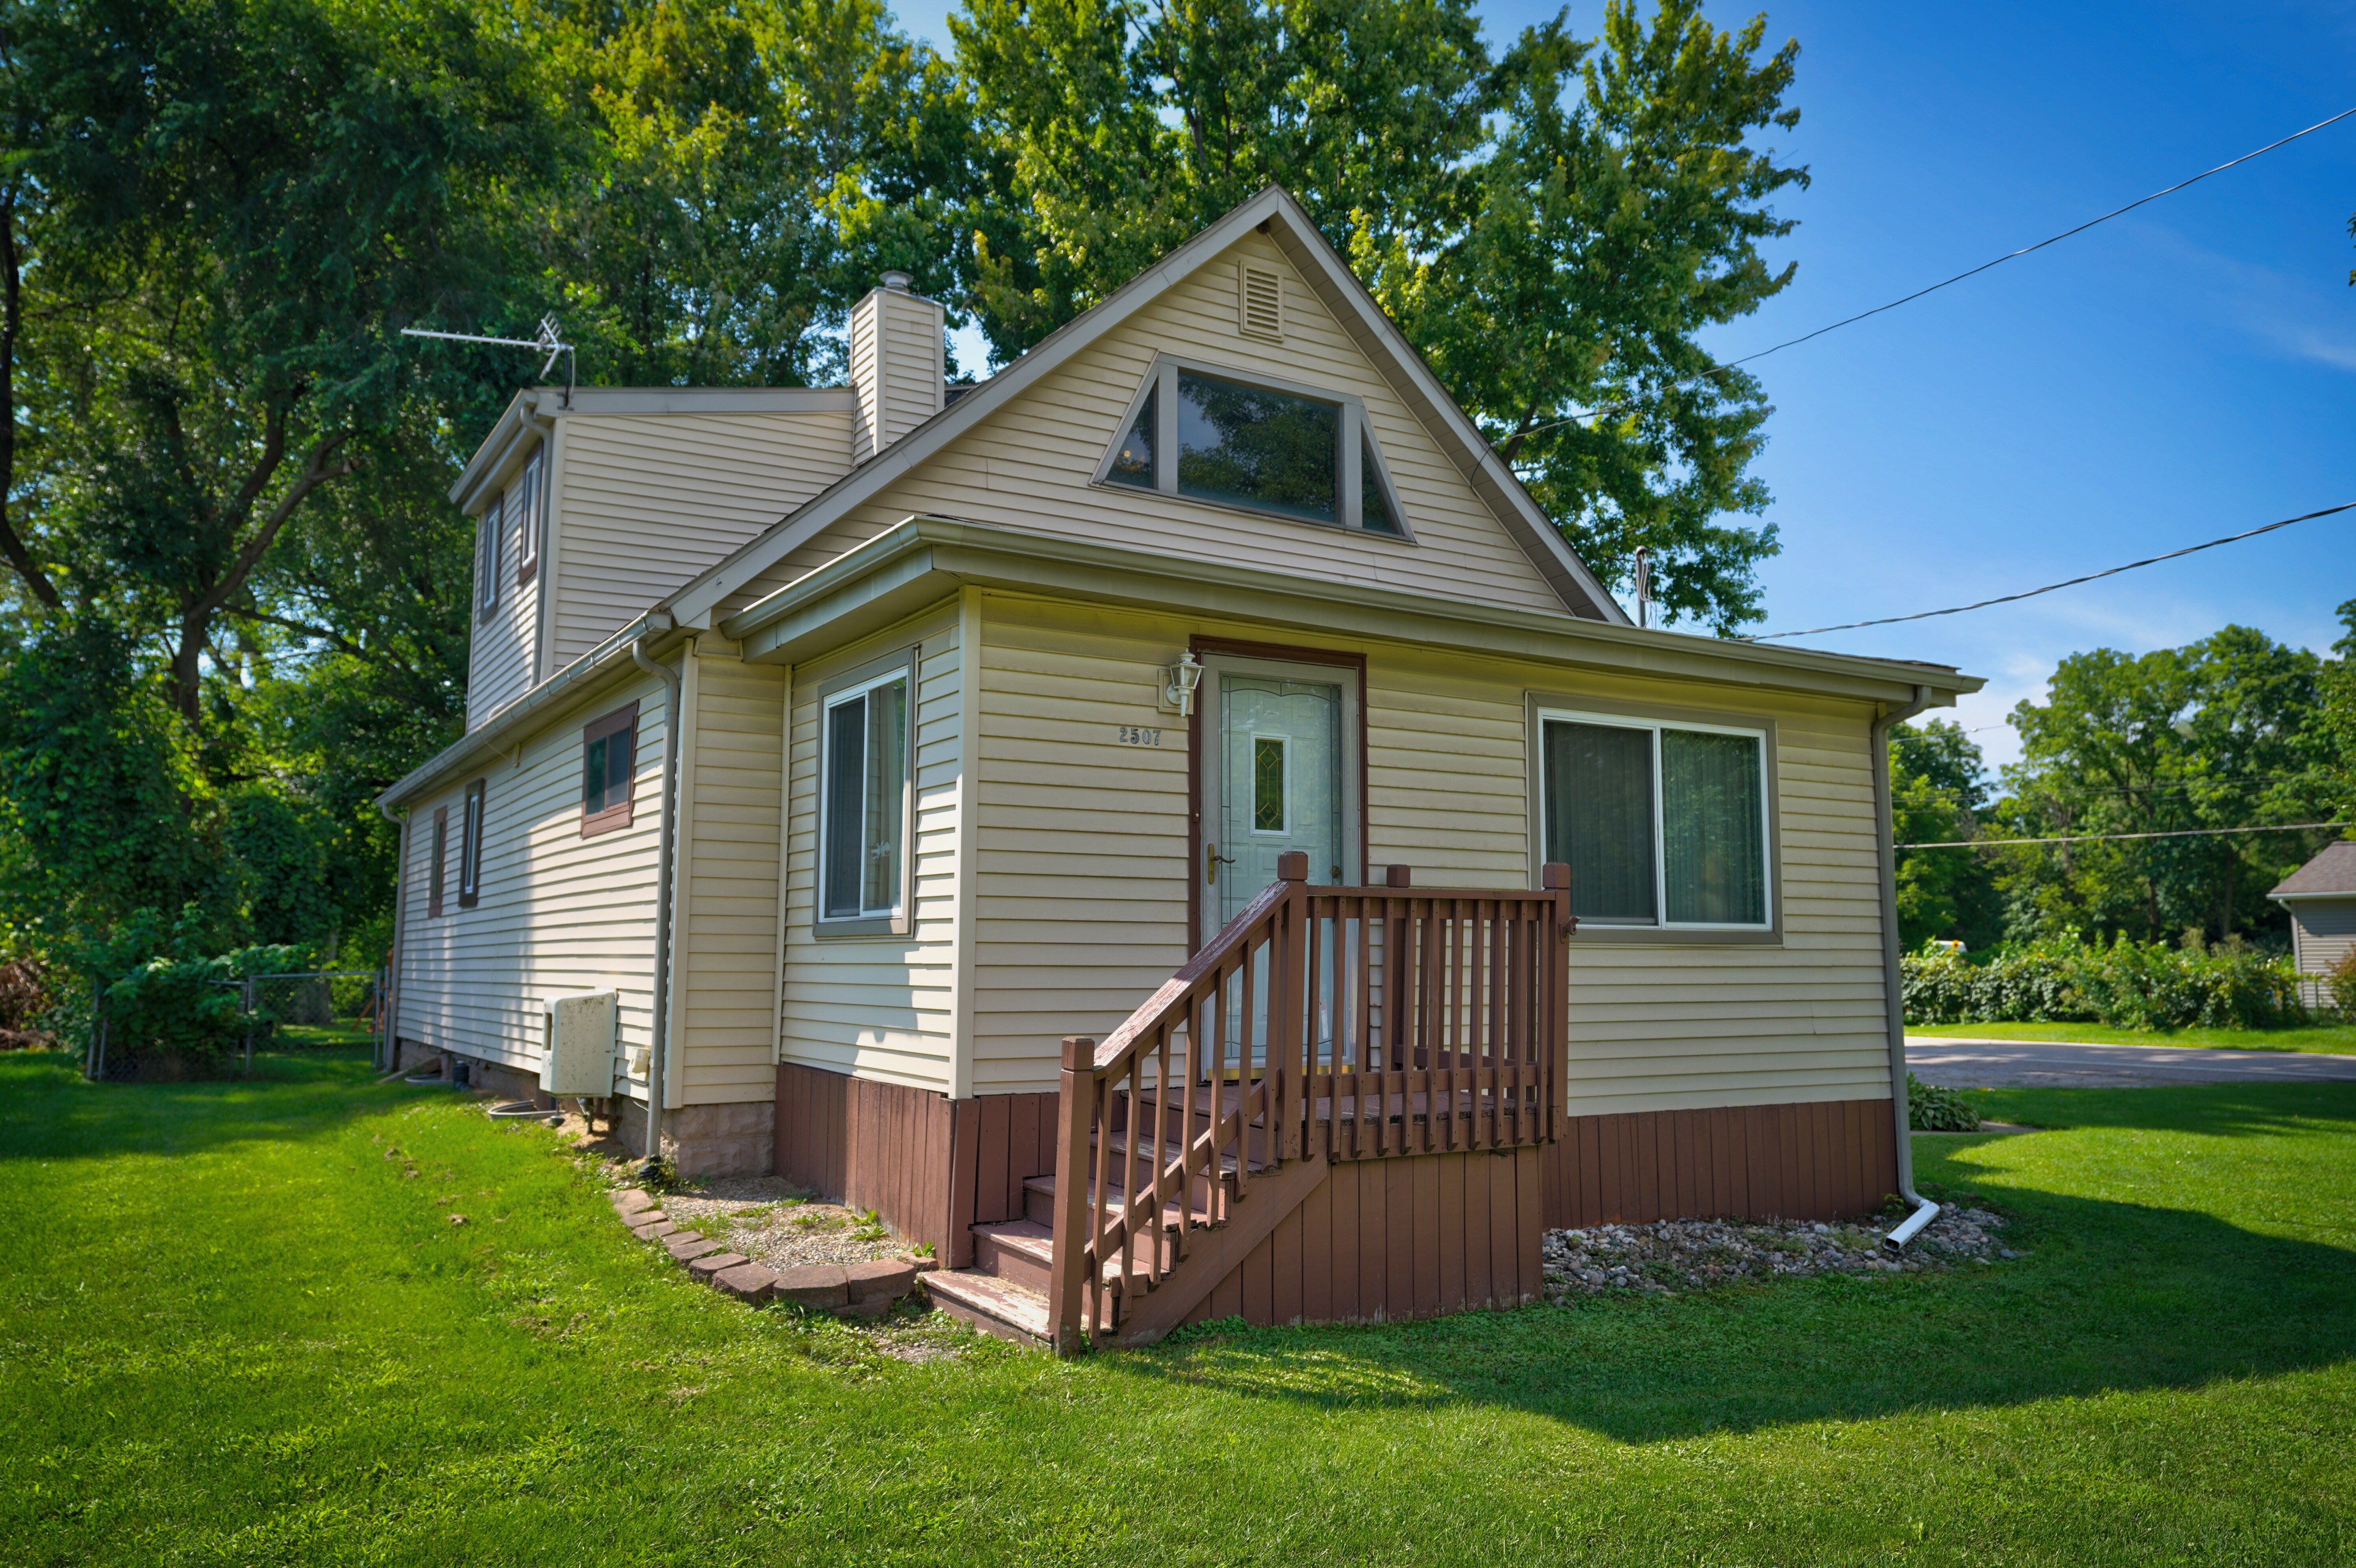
x: 1354, y: 434
x: 859, y: 685
x: 1661, y: 921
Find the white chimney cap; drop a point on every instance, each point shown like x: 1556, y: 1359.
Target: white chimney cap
x: 897, y: 282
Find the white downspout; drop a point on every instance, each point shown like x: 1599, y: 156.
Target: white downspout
x: 658, y: 1058
x: 1885, y: 837
x: 388, y: 1004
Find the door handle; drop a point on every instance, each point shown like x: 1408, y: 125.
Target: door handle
x: 1211, y: 862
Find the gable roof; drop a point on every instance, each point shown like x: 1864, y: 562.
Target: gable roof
x: 2334, y: 871
x: 1275, y: 212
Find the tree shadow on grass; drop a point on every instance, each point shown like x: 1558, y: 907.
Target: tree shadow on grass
x: 2110, y: 1297
x: 49, y: 1112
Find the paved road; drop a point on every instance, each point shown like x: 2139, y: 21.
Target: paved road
x: 2004, y: 1064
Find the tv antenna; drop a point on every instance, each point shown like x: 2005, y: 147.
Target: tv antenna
x: 546, y: 342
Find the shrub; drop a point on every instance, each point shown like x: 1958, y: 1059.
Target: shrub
x: 2123, y: 984
x: 2340, y: 984
x: 1930, y: 1109
x: 24, y: 999
x: 175, y: 1017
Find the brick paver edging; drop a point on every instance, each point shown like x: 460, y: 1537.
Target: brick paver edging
x: 859, y: 1290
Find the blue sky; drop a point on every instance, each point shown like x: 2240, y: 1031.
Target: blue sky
x: 2178, y: 374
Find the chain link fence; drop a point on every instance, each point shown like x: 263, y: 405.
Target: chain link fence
x: 316, y: 1013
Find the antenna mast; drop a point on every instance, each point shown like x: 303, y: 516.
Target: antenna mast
x: 547, y: 342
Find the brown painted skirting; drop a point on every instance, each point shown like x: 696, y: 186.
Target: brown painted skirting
x: 1828, y: 1159
x: 872, y: 1146
x: 929, y: 1164
x: 1384, y: 1240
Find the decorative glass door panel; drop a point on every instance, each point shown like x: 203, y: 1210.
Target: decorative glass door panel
x: 1281, y: 785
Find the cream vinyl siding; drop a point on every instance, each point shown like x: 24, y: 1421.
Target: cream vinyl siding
x: 725, y: 922
x: 905, y: 388
x: 880, y: 1006
x: 1085, y: 864
x: 559, y: 913
x: 647, y: 502
x: 2323, y: 932
x: 1029, y: 466
x: 500, y: 650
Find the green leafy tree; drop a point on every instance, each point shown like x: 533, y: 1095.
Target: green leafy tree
x: 1551, y: 227
x: 1938, y: 790
x: 2221, y: 733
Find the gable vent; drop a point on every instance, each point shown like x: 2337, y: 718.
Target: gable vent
x: 1262, y: 302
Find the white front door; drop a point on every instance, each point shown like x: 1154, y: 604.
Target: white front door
x: 1281, y: 776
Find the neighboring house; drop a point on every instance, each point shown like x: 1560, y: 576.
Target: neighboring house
x: 2321, y: 899
x: 982, y: 720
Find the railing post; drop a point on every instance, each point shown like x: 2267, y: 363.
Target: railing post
x: 1396, y: 964
x: 1555, y: 1013
x: 1069, y: 1258
x: 1287, y: 1033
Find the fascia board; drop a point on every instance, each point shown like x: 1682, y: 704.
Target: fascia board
x: 695, y: 605
x: 497, y: 733
x: 956, y: 551
x: 898, y: 589
x: 490, y: 455
x: 1380, y: 339
x: 712, y: 401
x: 2304, y: 897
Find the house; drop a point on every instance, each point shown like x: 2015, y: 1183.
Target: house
x: 1194, y: 726
x: 2321, y: 899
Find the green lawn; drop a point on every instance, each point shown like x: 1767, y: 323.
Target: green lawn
x: 238, y: 1329
x: 2328, y: 1037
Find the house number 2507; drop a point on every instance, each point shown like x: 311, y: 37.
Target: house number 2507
x: 1130, y: 735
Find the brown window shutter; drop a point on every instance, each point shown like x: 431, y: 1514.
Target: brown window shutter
x: 441, y: 858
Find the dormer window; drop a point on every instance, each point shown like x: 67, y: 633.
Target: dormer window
x: 1246, y: 442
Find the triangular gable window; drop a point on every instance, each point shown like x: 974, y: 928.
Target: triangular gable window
x: 1237, y: 439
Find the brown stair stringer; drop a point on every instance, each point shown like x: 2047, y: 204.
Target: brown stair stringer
x: 1212, y: 1255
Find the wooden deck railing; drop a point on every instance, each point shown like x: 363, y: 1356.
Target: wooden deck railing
x: 1348, y: 1023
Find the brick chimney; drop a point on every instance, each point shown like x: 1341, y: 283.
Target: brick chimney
x: 896, y: 366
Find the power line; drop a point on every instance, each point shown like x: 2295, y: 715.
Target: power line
x: 1959, y: 277
x: 2050, y: 587
x: 2092, y: 838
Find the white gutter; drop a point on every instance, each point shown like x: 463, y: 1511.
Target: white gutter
x: 659, y: 1059
x: 1885, y: 839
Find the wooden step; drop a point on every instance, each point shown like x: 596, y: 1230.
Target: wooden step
x: 1023, y: 1250
x: 1039, y: 1203
x: 994, y: 1306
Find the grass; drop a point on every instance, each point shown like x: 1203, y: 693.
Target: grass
x: 240, y: 1326
x: 2329, y: 1037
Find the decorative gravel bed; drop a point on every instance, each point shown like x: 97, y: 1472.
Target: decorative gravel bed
x: 770, y: 1221
x: 1671, y: 1255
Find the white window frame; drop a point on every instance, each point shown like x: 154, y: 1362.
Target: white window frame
x: 1661, y: 921
x: 490, y: 557
x: 530, y: 480
x: 895, y: 920
x: 1355, y: 442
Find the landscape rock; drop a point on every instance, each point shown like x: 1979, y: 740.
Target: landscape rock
x: 687, y: 1246
x: 632, y: 1200
x: 701, y: 1269
x: 1671, y: 1255
x: 654, y: 1231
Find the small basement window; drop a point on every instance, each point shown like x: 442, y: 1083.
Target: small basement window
x: 1240, y: 441
x: 1661, y: 824
x: 865, y: 800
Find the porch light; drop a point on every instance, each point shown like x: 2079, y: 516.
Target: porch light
x: 1179, y: 682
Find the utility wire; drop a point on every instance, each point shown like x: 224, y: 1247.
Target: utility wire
x: 2092, y: 838
x: 2050, y: 587
x: 1969, y: 272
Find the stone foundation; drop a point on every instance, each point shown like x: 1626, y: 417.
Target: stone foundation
x: 708, y: 1140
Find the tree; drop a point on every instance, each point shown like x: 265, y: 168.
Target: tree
x: 1938, y: 788
x: 1551, y: 228
x: 2218, y: 735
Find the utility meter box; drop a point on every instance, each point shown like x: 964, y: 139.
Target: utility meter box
x: 576, y: 1054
